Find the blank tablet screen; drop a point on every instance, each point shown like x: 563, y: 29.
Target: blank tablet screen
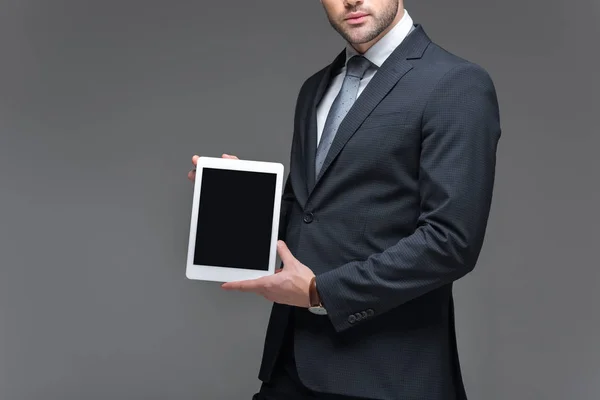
x: 235, y: 219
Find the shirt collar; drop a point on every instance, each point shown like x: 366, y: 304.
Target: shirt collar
x: 381, y: 50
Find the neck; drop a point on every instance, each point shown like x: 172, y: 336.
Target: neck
x: 363, y: 47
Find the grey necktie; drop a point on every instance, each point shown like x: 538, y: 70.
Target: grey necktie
x: 355, y: 69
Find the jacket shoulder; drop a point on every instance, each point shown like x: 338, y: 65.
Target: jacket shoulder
x: 443, y: 62
x: 312, y: 81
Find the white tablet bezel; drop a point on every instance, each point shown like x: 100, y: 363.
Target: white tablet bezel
x: 226, y: 274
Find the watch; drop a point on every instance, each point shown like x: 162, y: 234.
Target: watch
x: 315, y: 305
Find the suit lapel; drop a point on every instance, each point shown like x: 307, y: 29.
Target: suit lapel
x: 310, y: 145
x: 388, y: 75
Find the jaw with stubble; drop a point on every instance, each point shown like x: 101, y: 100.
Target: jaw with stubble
x: 361, y: 22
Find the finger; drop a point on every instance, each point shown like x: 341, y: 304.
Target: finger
x: 250, y: 285
x: 284, y: 253
x: 278, y: 270
x: 195, y: 159
x: 229, y: 156
x: 192, y: 175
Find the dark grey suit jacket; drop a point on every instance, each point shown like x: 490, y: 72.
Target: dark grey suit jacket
x: 397, y: 215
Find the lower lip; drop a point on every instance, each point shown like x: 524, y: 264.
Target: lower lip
x: 356, y: 21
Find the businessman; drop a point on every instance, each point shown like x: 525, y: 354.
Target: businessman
x: 385, y: 206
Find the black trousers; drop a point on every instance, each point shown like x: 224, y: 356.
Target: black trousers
x: 285, y: 383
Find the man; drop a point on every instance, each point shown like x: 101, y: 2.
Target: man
x: 385, y: 206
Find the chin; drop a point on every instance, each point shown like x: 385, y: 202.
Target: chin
x: 356, y: 37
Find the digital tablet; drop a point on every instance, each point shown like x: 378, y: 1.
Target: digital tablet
x: 234, y: 220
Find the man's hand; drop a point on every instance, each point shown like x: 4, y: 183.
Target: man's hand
x: 192, y: 173
x: 289, y: 285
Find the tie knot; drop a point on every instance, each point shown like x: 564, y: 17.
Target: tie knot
x: 357, y: 66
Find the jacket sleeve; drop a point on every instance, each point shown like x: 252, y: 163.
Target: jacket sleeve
x: 288, y: 197
x: 460, y: 133
x: 287, y: 200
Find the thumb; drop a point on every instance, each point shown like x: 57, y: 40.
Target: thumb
x: 284, y: 253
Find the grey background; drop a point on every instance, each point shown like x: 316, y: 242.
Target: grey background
x: 102, y: 105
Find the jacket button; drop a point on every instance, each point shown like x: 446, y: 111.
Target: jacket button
x: 364, y: 314
x: 352, y: 319
x: 370, y: 312
x: 308, y: 217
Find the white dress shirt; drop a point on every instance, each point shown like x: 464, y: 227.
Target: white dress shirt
x: 377, y: 54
